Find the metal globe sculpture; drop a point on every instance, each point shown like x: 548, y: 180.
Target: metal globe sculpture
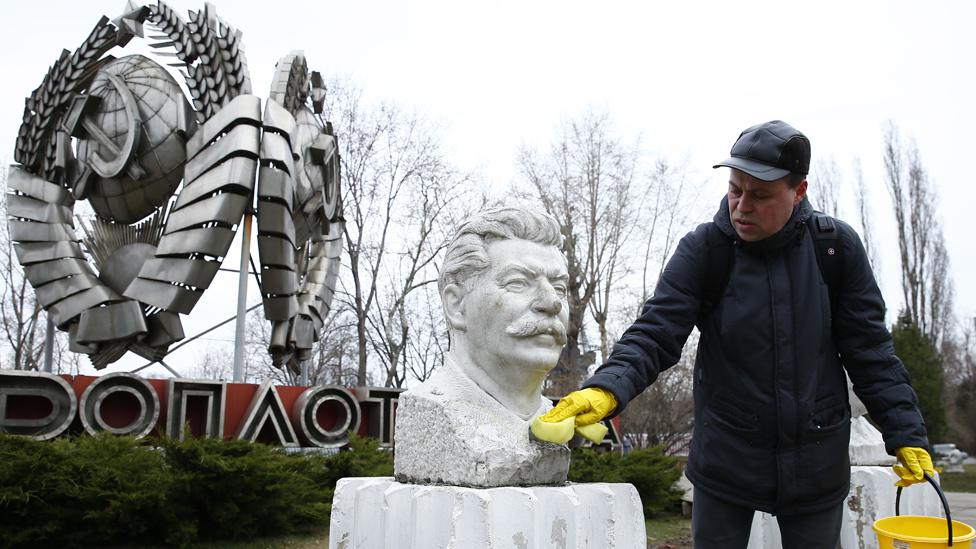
x: 135, y: 95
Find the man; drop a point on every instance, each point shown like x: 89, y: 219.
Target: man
x: 503, y: 290
x: 772, y: 419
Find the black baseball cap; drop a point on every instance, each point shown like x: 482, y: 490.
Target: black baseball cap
x: 770, y: 151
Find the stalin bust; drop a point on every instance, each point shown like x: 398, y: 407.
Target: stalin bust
x: 503, y: 289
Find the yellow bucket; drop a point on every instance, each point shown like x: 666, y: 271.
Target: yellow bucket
x: 914, y: 532
x: 920, y: 532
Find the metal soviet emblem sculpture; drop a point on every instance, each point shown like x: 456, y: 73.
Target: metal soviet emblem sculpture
x: 169, y: 184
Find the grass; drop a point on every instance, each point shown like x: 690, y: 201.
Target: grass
x: 311, y: 540
x: 960, y: 482
x: 668, y: 532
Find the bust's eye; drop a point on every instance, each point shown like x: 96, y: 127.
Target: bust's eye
x: 516, y: 284
x: 560, y: 289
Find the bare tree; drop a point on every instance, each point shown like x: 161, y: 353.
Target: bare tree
x: 428, y: 346
x: 586, y: 182
x: 400, y: 200
x: 613, y: 256
x: 864, y: 214
x: 926, y: 284
x: 334, y: 358
x: 664, y: 413
x: 217, y: 363
x: 425, y: 223
x: 669, y: 205
x: 825, y: 185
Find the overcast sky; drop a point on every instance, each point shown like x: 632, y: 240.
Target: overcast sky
x: 686, y: 77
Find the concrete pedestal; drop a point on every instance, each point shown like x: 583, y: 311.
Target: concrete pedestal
x: 379, y: 513
x: 872, y: 497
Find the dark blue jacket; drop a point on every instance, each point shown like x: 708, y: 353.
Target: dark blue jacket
x: 772, y: 418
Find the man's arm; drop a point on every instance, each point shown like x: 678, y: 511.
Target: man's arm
x: 654, y: 341
x: 866, y: 349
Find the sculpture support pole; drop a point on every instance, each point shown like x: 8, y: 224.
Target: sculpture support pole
x: 49, y: 345
x: 305, y: 373
x: 242, y: 298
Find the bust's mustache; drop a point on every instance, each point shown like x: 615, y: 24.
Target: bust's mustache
x: 528, y: 327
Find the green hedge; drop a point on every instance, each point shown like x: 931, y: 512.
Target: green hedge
x: 95, y: 491
x: 92, y: 491
x: 648, y: 469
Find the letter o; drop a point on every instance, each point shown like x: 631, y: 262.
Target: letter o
x: 305, y: 416
x: 104, y: 387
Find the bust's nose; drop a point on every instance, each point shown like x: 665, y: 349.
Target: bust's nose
x: 547, y: 300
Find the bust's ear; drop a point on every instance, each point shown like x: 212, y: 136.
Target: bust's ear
x: 453, y: 299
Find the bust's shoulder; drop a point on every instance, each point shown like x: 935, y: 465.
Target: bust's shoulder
x: 444, y: 385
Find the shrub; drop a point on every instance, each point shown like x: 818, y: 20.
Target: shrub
x: 363, y: 457
x: 31, y: 481
x: 239, y: 489
x: 77, y: 492
x: 588, y: 465
x: 654, y: 475
x: 118, y: 490
x: 651, y: 472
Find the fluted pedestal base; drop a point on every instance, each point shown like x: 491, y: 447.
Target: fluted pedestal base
x: 375, y: 513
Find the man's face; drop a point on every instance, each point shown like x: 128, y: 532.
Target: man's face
x: 516, y: 311
x: 759, y: 209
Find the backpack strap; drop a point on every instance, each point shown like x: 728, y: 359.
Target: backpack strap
x: 826, y: 238
x: 719, y: 260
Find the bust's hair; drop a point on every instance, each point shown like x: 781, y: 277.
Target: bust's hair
x: 467, y: 254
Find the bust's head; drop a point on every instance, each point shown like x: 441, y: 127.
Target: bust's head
x: 503, y: 287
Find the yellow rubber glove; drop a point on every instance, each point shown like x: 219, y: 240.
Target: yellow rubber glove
x: 587, y: 406
x: 914, y: 462
x: 579, y: 411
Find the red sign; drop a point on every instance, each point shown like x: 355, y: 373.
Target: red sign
x: 44, y: 406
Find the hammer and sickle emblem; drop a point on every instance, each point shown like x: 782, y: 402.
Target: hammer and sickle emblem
x: 107, y: 160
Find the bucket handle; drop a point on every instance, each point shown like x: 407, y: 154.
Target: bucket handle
x: 938, y: 490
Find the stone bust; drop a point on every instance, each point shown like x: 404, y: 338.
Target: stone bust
x: 503, y: 290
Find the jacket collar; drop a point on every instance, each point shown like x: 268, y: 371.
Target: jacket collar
x: 789, y: 232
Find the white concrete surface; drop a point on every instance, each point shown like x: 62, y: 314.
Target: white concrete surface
x: 963, y: 507
x: 380, y: 513
x: 867, y: 446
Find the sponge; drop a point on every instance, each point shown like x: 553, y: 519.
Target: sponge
x: 558, y: 432
x: 594, y: 432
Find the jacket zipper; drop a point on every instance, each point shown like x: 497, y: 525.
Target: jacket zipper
x: 776, y: 372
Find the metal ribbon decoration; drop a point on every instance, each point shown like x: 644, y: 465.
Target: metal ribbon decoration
x: 299, y: 212
x: 136, y: 140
